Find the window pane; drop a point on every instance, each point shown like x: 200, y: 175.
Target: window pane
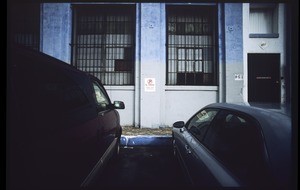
x: 261, y: 21
x: 181, y: 66
x: 263, y: 18
x: 181, y: 54
x: 190, y: 54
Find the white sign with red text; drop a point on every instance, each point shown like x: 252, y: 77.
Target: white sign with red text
x: 149, y: 84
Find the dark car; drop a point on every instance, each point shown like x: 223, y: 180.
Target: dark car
x: 61, y: 125
x: 228, y: 145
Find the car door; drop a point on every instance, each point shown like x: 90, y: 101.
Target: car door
x: 188, y: 145
x: 108, y: 117
x: 53, y: 130
x: 235, y: 147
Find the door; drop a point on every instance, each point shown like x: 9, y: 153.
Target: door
x: 264, y: 78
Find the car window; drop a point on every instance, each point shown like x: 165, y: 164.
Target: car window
x: 101, y: 99
x: 199, y: 123
x: 58, y: 91
x: 236, y: 140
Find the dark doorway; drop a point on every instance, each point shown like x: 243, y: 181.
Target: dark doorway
x: 264, y: 78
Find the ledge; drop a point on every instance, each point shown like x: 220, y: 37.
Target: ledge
x: 191, y: 88
x: 273, y: 35
x: 125, y: 88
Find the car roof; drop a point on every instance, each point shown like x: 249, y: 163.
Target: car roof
x: 47, y: 60
x: 40, y: 56
x: 256, y: 112
x: 276, y: 130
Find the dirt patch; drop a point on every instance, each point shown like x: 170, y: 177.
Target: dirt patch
x: 130, y: 130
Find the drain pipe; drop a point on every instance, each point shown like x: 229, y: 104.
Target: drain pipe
x: 222, y: 53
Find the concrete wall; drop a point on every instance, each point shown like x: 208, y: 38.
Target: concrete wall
x: 152, y: 63
x: 166, y: 104
x: 233, y: 51
x: 125, y: 94
x: 145, y: 108
x: 182, y: 102
x: 56, y: 33
x: 56, y: 23
x: 161, y: 105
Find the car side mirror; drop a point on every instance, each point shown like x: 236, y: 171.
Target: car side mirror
x: 178, y: 124
x: 119, y: 105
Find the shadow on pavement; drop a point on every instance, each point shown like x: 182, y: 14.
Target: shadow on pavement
x: 142, y: 166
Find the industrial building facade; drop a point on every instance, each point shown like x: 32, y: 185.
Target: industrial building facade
x: 167, y: 60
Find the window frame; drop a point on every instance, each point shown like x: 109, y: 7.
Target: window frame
x: 209, y: 75
x: 102, y: 50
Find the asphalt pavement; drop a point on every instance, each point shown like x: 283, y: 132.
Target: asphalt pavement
x: 143, y: 164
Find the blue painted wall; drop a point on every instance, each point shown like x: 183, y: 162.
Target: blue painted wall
x: 152, y: 63
x: 151, y: 109
x: 233, y: 21
x: 234, y: 32
x: 56, y: 30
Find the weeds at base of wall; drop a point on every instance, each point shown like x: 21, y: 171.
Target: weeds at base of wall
x: 132, y: 130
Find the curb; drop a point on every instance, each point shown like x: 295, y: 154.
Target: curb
x: 146, y: 140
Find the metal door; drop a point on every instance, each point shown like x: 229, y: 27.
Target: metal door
x: 264, y: 78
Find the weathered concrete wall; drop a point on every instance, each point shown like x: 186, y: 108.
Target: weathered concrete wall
x: 233, y: 51
x: 152, y: 63
x: 125, y: 94
x: 182, y: 102
x: 56, y: 39
x: 164, y: 105
x: 56, y: 30
x: 144, y: 107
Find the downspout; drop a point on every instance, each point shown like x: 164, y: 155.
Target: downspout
x: 222, y: 53
x: 138, y: 87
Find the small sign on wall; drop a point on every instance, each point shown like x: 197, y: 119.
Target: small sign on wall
x: 238, y: 76
x: 149, y: 84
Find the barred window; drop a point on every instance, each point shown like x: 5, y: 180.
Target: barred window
x: 191, y: 45
x: 26, y: 24
x: 103, y: 42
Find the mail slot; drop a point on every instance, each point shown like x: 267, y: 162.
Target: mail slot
x: 263, y: 78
